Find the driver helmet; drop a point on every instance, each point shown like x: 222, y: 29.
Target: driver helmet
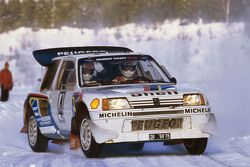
x: 128, y: 68
x: 88, y: 70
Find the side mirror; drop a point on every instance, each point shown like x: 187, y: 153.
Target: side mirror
x: 173, y: 80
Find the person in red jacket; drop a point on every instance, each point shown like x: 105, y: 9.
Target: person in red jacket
x: 6, y: 82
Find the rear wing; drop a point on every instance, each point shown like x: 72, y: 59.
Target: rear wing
x: 44, y: 57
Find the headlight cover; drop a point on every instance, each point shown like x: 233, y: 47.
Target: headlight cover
x: 193, y: 100
x: 115, y: 104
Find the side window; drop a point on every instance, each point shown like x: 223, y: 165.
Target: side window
x: 67, y: 76
x: 49, y: 76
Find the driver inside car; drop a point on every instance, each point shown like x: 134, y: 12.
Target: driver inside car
x: 127, y: 70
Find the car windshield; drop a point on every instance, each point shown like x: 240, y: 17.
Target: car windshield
x: 113, y: 70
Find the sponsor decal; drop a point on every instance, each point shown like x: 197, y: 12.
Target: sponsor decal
x: 47, y: 118
x: 196, y: 110
x: 114, y: 87
x: 158, y: 87
x: 149, y: 93
x: 44, y: 121
x: 48, y: 130
x: 104, y: 59
x: 46, y: 124
x: 116, y: 114
x: 79, y: 52
x: 111, y: 58
x: 35, y: 108
x: 121, y: 58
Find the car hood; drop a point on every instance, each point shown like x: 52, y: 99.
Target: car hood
x: 140, y: 90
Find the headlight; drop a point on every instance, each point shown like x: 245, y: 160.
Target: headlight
x: 193, y: 100
x: 115, y: 104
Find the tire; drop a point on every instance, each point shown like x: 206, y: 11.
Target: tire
x: 37, y: 141
x: 195, y: 146
x: 90, y: 148
x: 137, y: 146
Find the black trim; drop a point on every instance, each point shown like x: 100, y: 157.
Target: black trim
x: 158, y: 112
x: 153, y: 106
x: 162, y: 100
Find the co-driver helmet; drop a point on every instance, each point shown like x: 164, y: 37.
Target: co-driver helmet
x: 88, y: 70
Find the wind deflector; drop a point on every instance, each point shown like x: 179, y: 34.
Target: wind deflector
x: 44, y: 57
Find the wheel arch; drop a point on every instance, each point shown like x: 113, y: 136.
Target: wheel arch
x: 28, y: 111
x: 99, y: 134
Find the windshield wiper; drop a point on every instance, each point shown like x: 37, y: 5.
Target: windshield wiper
x: 157, y: 81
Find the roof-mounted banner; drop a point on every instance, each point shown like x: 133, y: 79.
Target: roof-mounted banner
x: 44, y: 57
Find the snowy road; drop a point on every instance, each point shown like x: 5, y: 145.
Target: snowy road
x: 15, y: 151
x: 212, y: 57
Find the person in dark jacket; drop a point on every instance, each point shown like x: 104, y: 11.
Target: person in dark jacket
x: 6, y: 82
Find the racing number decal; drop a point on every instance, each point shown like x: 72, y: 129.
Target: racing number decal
x: 60, y: 107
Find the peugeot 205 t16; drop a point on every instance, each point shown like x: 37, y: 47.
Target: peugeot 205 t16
x: 102, y: 95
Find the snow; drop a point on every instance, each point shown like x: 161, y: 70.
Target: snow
x: 212, y: 57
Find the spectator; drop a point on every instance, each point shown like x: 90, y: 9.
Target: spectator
x: 6, y: 82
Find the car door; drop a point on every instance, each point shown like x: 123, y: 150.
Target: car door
x: 61, y: 97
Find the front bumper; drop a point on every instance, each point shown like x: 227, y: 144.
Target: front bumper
x: 119, y: 129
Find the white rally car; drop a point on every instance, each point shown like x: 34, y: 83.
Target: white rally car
x: 105, y: 95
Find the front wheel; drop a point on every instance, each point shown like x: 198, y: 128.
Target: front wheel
x: 37, y: 141
x: 88, y: 144
x: 195, y: 146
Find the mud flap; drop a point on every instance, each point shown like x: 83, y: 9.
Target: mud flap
x: 24, y: 130
x: 74, y: 141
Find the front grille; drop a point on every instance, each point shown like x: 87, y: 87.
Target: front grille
x: 171, y: 103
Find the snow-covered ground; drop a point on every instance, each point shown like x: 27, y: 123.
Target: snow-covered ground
x: 212, y: 57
